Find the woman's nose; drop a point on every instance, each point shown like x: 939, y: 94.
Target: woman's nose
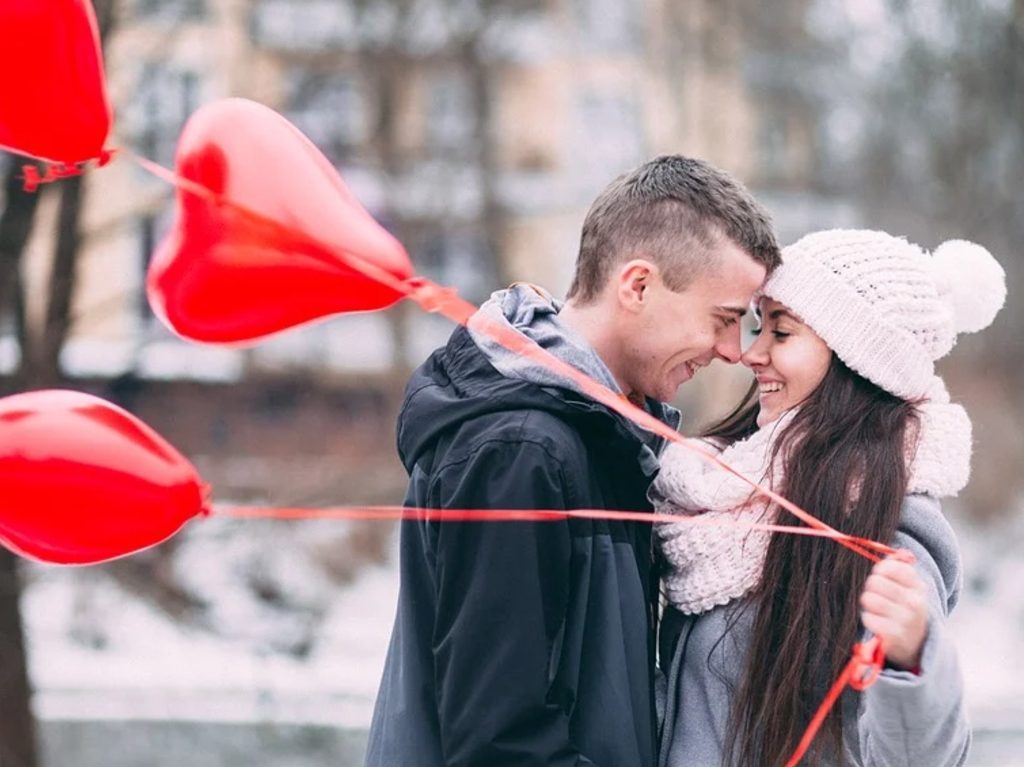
x: 756, y: 354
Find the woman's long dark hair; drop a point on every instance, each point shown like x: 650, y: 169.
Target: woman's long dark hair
x: 844, y: 459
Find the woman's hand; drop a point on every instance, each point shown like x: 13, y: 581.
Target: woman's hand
x: 894, y: 606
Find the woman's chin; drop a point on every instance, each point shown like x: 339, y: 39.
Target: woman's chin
x: 766, y: 417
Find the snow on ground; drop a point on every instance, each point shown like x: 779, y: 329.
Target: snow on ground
x: 988, y: 624
x: 150, y: 668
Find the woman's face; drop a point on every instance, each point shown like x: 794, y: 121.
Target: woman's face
x: 788, y: 359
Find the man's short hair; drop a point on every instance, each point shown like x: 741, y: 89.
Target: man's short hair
x: 672, y: 210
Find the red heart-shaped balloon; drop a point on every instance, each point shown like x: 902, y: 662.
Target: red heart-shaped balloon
x: 85, y: 481
x: 223, y: 274
x: 53, y: 102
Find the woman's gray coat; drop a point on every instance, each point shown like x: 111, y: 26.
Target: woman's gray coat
x: 903, y: 720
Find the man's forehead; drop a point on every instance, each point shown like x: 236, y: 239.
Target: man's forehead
x: 736, y: 271
x: 737, y: 309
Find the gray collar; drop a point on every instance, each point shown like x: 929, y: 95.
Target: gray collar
x: 532, y: 312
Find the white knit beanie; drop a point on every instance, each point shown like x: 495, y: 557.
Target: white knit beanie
x: 887, y: 308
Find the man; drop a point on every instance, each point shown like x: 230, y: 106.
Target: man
x: 522, y: 643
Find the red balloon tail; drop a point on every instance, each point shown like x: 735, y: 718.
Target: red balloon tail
x: 437, y: 299
x: 445, y: 301
x: 860, y: 673
x: 55, y: 171
x: 374, y: 513
x: 172, y: 178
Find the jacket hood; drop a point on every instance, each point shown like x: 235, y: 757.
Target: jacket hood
x: 458, y: 382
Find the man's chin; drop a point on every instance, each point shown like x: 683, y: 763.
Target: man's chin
x: 669, y: 393
x: 681, y: 375
x: 664, y: 390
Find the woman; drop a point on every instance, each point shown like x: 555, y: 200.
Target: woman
x: 849, y: 421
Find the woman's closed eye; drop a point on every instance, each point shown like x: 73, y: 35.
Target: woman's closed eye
x: 779, y: 334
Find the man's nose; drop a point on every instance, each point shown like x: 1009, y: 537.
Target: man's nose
x: 728, y: 348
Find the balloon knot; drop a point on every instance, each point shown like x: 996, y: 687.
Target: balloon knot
x: 31, y: 177
x: 437, y: 299
x: 206, y: 500
x: 54, y: 172
x: 904, y: 555
x: 868, y: 659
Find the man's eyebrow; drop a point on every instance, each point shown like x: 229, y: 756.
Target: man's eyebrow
x: 739, y: 311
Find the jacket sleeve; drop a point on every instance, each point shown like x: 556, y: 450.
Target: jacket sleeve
x: 914, y: 719
x: 502, y: 590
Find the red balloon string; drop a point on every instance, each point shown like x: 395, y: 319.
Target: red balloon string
x: 445, y: 301
x: 442, y: 300
x: 860, y: 673
x: 55, y: 171
x: 866, y: 663
x: 356, y: 513
x: 864, y: 666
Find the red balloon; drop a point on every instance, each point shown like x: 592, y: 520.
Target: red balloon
x: 223, y: 276
x: 85, y: 481
x: 53, y: 102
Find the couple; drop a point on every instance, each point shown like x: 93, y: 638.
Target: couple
x: 526, y: 644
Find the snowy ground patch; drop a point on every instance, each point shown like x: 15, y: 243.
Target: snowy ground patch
x: 147, y: 669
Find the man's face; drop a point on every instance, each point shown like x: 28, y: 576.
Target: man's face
x: 676, y: 334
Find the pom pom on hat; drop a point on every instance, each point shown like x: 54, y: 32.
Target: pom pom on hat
x: 971, y: 281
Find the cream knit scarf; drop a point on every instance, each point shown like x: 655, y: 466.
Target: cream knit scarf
x: 713, y: 565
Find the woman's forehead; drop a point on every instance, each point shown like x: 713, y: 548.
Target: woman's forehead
x: 773, y: 310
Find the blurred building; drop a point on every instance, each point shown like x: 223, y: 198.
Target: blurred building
x: 478, y: 136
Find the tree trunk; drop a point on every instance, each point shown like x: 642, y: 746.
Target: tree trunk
x: 40, y: 362
x: 18, y: 736
x: 386, y: 71
x: 17, y: 726
x: 493, y: 218
x: 15, y: 229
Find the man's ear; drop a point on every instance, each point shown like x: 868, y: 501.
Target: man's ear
x: 635, y: 278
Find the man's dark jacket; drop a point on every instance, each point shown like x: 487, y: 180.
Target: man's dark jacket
x: 518, y: 643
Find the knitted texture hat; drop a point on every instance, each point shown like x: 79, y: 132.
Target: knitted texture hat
x: 888, y: 309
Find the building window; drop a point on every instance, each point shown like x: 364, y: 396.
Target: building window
x: 165, y: 97
x: 151, y: 229
x: 329, y: 108
x: 147, y: 244
x: 304, y: 25
x: 170, y: 10
x: 773, y: 145
x: 608, y: 137
x: 456, y: 256
x: 451, y: 118
x: 608, y: 26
